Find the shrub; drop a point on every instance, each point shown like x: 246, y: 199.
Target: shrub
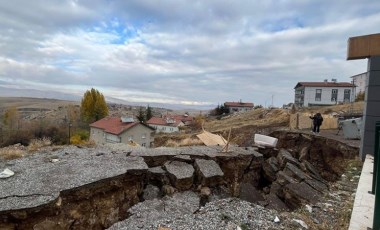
x: 36, y: 144
x: 10, y: 154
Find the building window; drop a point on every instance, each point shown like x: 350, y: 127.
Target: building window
x: 334, y: 95
x: 143, y: 145
x: 347, y: 94
x: 318, y: 94
x: 130, y: 138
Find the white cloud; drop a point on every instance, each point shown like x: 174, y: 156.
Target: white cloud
x: 186, y: 52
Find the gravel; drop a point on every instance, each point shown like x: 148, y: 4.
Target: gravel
x: 181, y: 214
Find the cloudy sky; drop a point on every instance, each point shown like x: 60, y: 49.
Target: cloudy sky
x: 193, y: 53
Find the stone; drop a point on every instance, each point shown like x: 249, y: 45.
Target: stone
x: 304, y: 153
x: 249, y: 193
x: 298, y: 193
x: 168, y: 190
x: 300, y: 223
x: 180, y: 174
x: 284, y: 179
x: 157, y: 176
x: 205, y: 195
x: 184, y: 158
x: 151, y: 192
x: 208, y: 172
x: 294, y: 172
x: 284, y: 157
x: 317, y: 185
x: 274, y: 202
x: 270, y: 168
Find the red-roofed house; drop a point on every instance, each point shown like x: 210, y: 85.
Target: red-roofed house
x: 121, y: 130
x: 167, y: 124
x: 323, y: 93
x: 238, y: 106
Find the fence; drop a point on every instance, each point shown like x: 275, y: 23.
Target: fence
x: 303, y: 121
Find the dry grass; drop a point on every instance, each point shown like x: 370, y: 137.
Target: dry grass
x: 183, y: 142
x: 11, y: 153
x: 36, y: 144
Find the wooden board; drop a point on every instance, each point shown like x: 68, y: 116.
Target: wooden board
x: 210, y: 139
x: 363, y: 46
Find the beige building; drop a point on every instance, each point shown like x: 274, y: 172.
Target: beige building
x: 238, y: 106
x: 121, y: 130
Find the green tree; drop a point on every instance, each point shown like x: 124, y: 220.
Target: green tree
x: 141, y: 115
x: 93, y: 106
x: 11, y: 118
x: 148, y: 113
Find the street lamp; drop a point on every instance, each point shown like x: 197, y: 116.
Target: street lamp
x: 69, y: 132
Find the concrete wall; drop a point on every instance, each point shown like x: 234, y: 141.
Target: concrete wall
x: 360, y: 81
x: 309, y: 97
x: 372, y: 107
x: 97, y: 135
x: 139, y: 134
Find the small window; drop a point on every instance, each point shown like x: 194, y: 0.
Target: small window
x: 143, y: 145
x: 334, y: 94
x: 318, y: 94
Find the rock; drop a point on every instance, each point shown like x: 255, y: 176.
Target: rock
x: 180, y: 174
x: 270, y: 168
x: 276, y: 219
x: 309, y: 208
x: 294, y: 172
x: 151, y: 192
x: 319, y: 186
x: 205, y: 191
x: 300, y: 223
x: 184, y: 158
x: 208, y: 172
x: 284, y: 157
x: 304, y: 153
x: 249, y: 193
x: 157, y: 176
x: 168, y: 190
x: 274, y: 202
x: 47, y: 225
x: 298, y: 193
x: 284, y: 179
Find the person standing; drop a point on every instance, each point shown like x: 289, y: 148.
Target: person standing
x: 317, y: 122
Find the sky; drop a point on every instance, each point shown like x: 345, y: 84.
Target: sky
x: 191, y: 53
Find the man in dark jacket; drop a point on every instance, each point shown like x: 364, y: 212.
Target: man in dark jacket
x: 317, y: 122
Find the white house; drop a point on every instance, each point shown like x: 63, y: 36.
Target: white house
x: 121, y: 130
x: 165, y: 124
x: 360, y: 81
x: 238, y: 106
x: 323, y: 93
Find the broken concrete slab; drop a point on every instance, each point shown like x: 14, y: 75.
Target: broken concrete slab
x: 208, y: 172
x: 180, y: 174
x: 37, y: 182
x: 270, y: 169
x: 294, y: 172
x: 284, y: 157
x: 298, y: 193
x: 284, y: 179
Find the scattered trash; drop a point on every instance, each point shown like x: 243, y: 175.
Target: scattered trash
x: 266, y: 141
x: 309, y: 208
x: 54, y: 160
x: 276, y: 219
x: 6, y: 173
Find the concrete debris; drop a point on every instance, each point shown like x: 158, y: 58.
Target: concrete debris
x: 309, y: 208
x: 6, y: 173
x: 210, y: 139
